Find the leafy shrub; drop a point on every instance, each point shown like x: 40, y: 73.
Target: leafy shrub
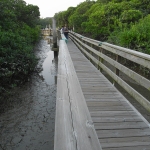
x: 17, y: 38
x: 129, y: 16
x: 137, y: 37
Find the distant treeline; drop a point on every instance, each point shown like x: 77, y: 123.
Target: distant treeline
x: 45, y: 22
x: 120, y: 22
x: 18, y: 34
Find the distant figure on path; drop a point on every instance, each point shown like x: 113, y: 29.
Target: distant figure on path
x: 66, y: 31
x: 62, y: 30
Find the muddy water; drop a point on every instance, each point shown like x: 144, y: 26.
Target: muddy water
x: 29, y: 123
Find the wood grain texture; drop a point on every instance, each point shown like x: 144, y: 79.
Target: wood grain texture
x: 142, y: 100
x: 74, y: 129
x: 118, y: 124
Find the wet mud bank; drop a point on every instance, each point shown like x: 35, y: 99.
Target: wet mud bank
x: 30, y: 121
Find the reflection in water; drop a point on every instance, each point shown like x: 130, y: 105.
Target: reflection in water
x: 30, y: 123
x: 48, y: 38
x: 49, y: 68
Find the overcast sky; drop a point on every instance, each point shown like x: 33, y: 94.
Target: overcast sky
x: 48, y: 8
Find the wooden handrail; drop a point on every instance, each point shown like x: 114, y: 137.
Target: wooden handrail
x: 74, y: 128
x: 86, y: 46
x: 124, y: 52
x: 61, y: 36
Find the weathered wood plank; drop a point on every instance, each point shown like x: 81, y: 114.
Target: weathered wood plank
x: 112, y: 114
x: 132, y: 55
x: 112, y: 108
x: 142, y: 100
x: 137, y: 57
x: 117, y: 119
x: 120, y: 124
x: 102, y: 96
x: 138, y: 78
x: 106, y: 104
x: 126, y: 139
x: 135, y: 147
x: 127, y: 144
x: 73, y: 122
x: 123, y: 133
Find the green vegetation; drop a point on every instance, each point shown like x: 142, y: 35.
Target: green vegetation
x: 121, y: 22
x: 18, y: 34
x: 43, y: 22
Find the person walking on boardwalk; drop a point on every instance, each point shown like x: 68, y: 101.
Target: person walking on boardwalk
x: 66, y: 31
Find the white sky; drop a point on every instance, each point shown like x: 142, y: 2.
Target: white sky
x: 48, y: 8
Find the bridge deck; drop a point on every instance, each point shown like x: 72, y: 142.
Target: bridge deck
x: 118, y: 124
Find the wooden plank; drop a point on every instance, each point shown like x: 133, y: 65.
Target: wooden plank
x: 140, y: 58
x: 63, y: 115
x: 125, y: 139
x: 104, y: 89
x: 113, y: 114
x: 101, y: 96
x: 108, y: 104
x: 138, y: 78
x: 120, y: 125
x: 127, y: 144
x: 131, y: 74
x: 142, y: 100
x: 95, y: 84
x: 102, y: 99
x: 112, y: 108
x: 111, y: 120
x: 117, y: 119
x: 132, y: 55
x: 138, y: 147
x: 123, y: 133
x: 73, y: 121
x: 114, y: 93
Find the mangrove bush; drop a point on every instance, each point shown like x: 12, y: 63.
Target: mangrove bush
x: 18, y: 34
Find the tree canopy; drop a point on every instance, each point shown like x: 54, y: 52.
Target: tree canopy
x: 115, y: 21
x: 18, y: 33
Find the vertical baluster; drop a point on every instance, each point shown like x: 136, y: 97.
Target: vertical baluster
x: 91, y: 52
x: 100, y: 60
x: 117, y: 70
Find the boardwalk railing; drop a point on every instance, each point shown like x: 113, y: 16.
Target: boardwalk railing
x: 74, y: 129
x: 100, y: 52
x: 61, y: 36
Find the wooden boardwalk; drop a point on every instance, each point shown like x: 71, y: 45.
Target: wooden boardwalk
x: 119, y: 126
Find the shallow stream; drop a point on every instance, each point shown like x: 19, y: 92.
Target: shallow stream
x: 29, y: 123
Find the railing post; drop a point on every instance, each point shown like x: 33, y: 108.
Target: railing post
x: 55, y: 47
x: 91, y: 52
x: 100, y: 59
x: 54, y: 34
x: 118, y: 60
x: 117, y: 70
x: 82, y: 42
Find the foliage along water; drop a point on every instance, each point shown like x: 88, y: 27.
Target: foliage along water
x: 29, y: 121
